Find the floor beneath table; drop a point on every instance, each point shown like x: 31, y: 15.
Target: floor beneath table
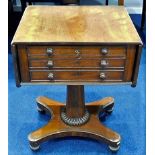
x: 128, y: 117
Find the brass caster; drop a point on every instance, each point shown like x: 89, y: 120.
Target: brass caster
x: 40, y: 110
x: 34, y: 148
x: 114, y: 149
x: 109, y: 111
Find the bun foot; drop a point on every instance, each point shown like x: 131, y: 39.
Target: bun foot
x: 133, y: 85
x: 114, y: 149
x: 40, y: 110
x: 34, y: 148
x: 109, y: 109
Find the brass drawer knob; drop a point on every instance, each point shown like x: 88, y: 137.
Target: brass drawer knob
x: 104, y: 63
x: 104, y: 51
x: 102, y: 76
x: 50, y: 63
x: 49, y: 51
x: 51, y: 76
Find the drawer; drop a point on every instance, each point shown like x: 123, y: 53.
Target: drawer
x: 107, y: 51
x: 75, y: 51
x: 79, y: 76
x: 77, y: 63
x: 68, y: 69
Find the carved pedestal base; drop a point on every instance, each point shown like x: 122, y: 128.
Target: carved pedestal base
x: 57, y: 128
x: 74, y: 121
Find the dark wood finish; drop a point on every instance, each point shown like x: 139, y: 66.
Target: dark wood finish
x: 77, y: 76
x: 77, y: 63
x: 131, y: 51
x: 136, y: 65
x: 68, y: 65
x: 23, y: 62
x: 75, y: 104
x: 75, y: 51
x: 16, y: 65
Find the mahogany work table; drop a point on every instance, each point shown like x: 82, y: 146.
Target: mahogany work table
x: 76, y: 45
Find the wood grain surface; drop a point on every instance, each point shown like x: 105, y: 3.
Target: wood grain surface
x: 56, y: 128
x: 116, y: 75
x: 83, y: 50
x: 71, y: 63
x: 76, y: 24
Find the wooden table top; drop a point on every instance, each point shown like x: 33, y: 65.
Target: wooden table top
x: 76, y: 25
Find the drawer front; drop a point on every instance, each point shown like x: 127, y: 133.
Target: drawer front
x: 77, y: 76
x: 75, y: 51
x: 36, y: 65
x: 104, y: 51
x: 71, y: 63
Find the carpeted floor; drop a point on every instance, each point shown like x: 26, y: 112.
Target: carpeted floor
x: 128, y: 117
